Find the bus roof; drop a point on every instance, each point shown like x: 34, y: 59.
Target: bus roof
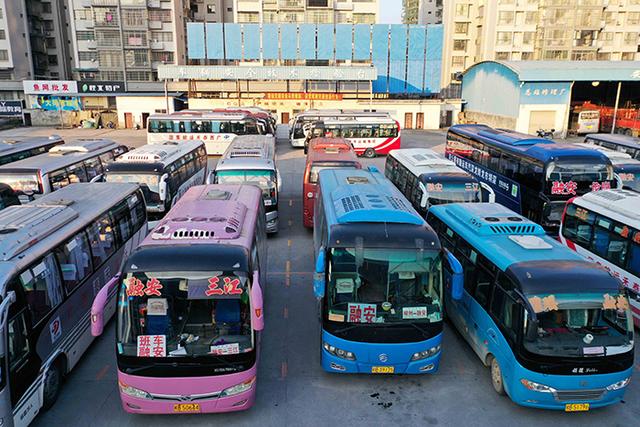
x: 11, y: 145
x: 333, y: 144
x: 620, y: 205
x: 261, y: 146
x: 503, y: 236
x: 28, y: 231
x: 61, y: 156
x: 364, y: 196
x: 330, y: 152
x: 158, y: 154
x: 210, y: 214
x: 342, y: 112
x: 624, y: 140
x: 426, y: 164
x: 541, y: 149
x: 245, y: 163
x: 358, y: 119
x: 618, y: 158
x: 201, y: 115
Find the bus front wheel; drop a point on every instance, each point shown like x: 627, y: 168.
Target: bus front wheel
x: 496, y: 376
x: 52, y: 383
x: 369, y: 153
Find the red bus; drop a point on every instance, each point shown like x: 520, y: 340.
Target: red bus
x: 324, y: 153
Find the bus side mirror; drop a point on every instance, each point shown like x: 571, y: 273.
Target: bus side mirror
x: 4, y: 309
x: 424, y: 198
x: 619, y: 182
x: 162, y: 187
x: 98, y: 306
x: 279, y: 180
x: 454, y: 276
x: 319, y: 283
x: 490, y: 192
x: 257, y: 306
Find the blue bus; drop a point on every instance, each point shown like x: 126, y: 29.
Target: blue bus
x: 555, y: 329
x: 532, y: 176
x: 379, y: 277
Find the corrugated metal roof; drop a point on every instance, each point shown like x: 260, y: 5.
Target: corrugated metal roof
x: 569, y: 71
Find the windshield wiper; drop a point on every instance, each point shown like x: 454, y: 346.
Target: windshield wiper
x: 149, y: 366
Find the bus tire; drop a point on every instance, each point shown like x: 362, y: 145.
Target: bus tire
x: 52, y: 385
x: 369, y: 153
x: 496, y: 375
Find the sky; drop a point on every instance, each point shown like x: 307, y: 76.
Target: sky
x: 390, y: 11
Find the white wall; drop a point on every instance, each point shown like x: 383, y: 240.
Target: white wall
x: 138, y: 105
x: 561, y: 119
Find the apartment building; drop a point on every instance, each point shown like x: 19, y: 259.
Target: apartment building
x: 478, y: 30
x: 211, y: 11
x: 126, y: 40
x: 422, y: 12
x: 303, y: 11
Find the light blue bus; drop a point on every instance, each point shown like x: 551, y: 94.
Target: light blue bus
x: 554, y: 328
x: 379, y: 277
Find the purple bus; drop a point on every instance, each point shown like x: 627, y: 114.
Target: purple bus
x: 190, y: 309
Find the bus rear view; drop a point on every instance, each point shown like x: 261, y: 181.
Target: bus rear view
x: 379, y: 277
x: 190, y: 306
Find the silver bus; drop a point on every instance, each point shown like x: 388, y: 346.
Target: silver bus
x: 164, y: 171
x: 56, y: 253
x: 12, y: 150
x: 81, y: 160
x: 257, y: 169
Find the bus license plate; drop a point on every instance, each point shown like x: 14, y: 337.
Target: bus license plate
x: 186, y: 407
x: 576, y: 407
x: 382, y: 369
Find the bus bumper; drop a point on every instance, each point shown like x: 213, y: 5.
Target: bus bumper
x: 596, y: 390
x: 380, y: 358
x: 297, y: 142
x: 186, y: 395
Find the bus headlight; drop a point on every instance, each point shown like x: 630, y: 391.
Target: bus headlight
x: 238, y: 388
x: 338, y: 352
x: 132, y: 391
x: 533, y: 386
x: 424, y: 354
x: 620, y: 384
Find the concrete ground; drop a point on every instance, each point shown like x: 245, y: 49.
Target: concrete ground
x: 292, y: 388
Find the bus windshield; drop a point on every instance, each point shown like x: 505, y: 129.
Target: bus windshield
x: 577, y: 325
x: 567, y: 171
x: 265, y: 179
x: 630, y: 180
x: 384, y: 286
x: 22, y: 183
x: 453, y: 193
x: 170, y: 314
x: 318, y: 166
x: 149, y: 183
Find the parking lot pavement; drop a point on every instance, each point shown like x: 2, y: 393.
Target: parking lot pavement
x: 292, y: 388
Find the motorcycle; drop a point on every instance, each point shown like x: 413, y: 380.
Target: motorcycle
x: 545, y: 133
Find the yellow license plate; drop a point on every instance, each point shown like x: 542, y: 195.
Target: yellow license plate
x: 382, y: 369
x: 186, y: 407
x: 576, y: 407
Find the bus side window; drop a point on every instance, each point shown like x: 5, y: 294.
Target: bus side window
x: 42, y: 287
x: 94, y: 168
x: 75, y: 261
x: 77, y: 173
x: 18, y: 341
x: 138, y: 210
x: 119, y: 150
x: 634, y: 255
x: 122, y: 222
x: 107, y: 157
x: 58, y: 179
x: 484, y: 283
x: 494, y: 159
x: 102, y: 240
x: 505, y: 310
x: 508, y: 166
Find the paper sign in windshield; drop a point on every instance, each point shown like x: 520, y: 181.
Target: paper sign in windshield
x: 344, y: 285
x: 157, y: 307
x: 414, y: 312
x: 564, y: 188
x: 435, y: 188
x: 592, y: 351
x: 135, y: 287
x: 225, y: 349
x: 218, y: 286
x: 548, y: 303
x: 362, y: 313
x: 152, y: 346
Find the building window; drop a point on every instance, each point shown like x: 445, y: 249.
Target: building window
x: 111, y: 75
x: 211, y: 8
x: 104, y: 16
x: 504, y: 38
x: 585, y: 38
x: 269, y: 16
x: 505, y: 17
x: 110, y: 59
x: 555, y: 55
x: 631, y: 38
x: 140, y: 76
x: 292, y: 17
x: 85, y: 35
x: 134, y: 17
x: 628, y: 56
x: 582, y: 55
x: 459, y: 45
x: 604, y: 56
x: 108, y: 38
x: 162, y: 15
x: 135, y: 38
x: 526, y: 56
x: 610, y: 18
x: 633, y: 18
x: 248, y: 17
x: 164, y: 57
x: 87, y: 56
x: 137, y: 58
x: 162, y: 37
x: 3, y: 35
x: 343, y: 18
x: 461, y: 28
x: 503, y: 56
x: 82, y: 14
x: 527, y: 38
x: 457, y: 61
x: 319, y: 16
x: 318, y: 3
x: 46, y: 7
x: 530, y: 18
x: 52, y: 59
x: 506, y: 1
x: 364, y: 18
x: 4, y: 55
x: 462, y: 10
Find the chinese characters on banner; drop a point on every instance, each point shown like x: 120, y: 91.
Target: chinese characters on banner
x: 564, y: 188
x: 225, y: 349
x: 152, y: 346
x: 597, y: 186
x: 135, y: 287
x: 49, y: 87
x: 414, y: 312
x: 229, y: 287
x: 362, y: 313
x: 205, y: 137
x: 435, y: 188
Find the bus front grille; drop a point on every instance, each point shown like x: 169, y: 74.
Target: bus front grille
x: 573, y: 395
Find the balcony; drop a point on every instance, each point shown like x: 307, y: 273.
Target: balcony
x: 105, y: 2
x: 86, y: 3
x: 154, y: 3
x: 156, y: 45
x: 291, y: 4
x: 92, y: 44
x: 155, y: 25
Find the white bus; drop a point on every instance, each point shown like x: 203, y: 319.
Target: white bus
x: 302, y: 123
x: 12, y: 150
x: 604, y: 226
x: 215, y: 128
x: 370, y: 136
x: 626, y: 168
x: 588, y: 122
x: 56, y: 254
x: 81, y: 160
x: 163, y: 171
x: 427, y: 179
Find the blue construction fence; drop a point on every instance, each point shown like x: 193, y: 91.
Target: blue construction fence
x: 408, y: 57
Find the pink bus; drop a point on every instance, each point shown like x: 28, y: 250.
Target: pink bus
x: 190, y: 310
